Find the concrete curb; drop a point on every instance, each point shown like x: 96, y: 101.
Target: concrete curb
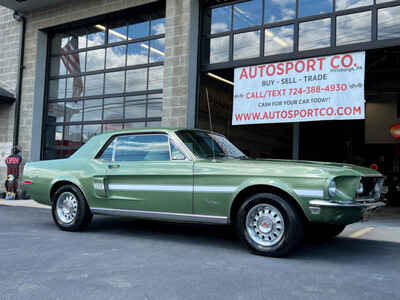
x: 23, y: 203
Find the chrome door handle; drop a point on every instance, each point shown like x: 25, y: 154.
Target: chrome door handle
x: 113, y: 166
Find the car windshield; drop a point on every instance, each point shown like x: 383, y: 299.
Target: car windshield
x: 208, y: 145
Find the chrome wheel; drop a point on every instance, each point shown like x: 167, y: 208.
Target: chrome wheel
x: 265, y: 224
x: 67, y: 207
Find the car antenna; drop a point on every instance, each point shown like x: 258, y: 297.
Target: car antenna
x: 211, y: 127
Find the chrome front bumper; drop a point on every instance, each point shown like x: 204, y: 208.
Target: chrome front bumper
x: 365, y: 208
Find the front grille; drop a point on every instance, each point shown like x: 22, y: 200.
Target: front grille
x: 369, y: 185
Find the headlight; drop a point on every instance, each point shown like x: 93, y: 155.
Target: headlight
x: 332, y: 188
x: 360, y: 188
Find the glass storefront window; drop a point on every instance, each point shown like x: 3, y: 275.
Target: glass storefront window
x: 135, y: 107
x: 116, y: 57
x: 93, y: 110
x: 221, y: 19
x: 279, y: 40
x: 138, y: 53
x: 136, y: 80
x: 157, y: 50
x: 219, y: 49
x: 114, y: 82
x: 276, y: 11
x: 247, y: 14
x: 96, y: 36
x: 57, y: 88
x: 246, y: 45
x: 312, y: 7
x: 95, y: 60
x: 89, y: 131
x: 117, y: 33
x: 94, y: 84
x: 389, y: 23
x: 314, y: 34
x: 138, y: 30
x: 348, y: 4
x: 113, y: 108
x: 353, y: 28
x: 73, y: 111
x: 156, y: 76
x: 158, y: 26
x: 55, y: 112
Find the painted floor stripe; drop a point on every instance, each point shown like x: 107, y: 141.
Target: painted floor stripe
x: 361, y: 232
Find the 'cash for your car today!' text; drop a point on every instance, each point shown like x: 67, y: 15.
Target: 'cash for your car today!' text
x: 312, y: 89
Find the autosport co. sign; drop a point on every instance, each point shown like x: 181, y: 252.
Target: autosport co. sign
x: 319, y: 88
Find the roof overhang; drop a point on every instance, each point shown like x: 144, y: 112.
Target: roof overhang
x: 6, y: 97
x: 29, y: 5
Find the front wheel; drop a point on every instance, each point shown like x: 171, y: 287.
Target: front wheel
x: 70, y: 210
x: 269, y: 225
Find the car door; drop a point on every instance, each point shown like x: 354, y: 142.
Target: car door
x: 142, y: 175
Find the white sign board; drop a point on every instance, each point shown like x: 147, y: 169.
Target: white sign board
x: 312, y: 89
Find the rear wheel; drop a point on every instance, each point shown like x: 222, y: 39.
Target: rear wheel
x: 70, y: 210
x: 269, y: 225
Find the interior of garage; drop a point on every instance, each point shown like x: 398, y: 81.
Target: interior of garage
x: 372, y: 142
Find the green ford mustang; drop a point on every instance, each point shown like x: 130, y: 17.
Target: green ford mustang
x: 199, y: 176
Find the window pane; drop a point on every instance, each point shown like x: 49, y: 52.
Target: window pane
x: 347, y: 4
x: 219, y: 49
x: 242, y: 41
x: 142, y: 148
x: 135, y: 125
x: 279, y: 40
x: 136, y: 80
x: 112, y: 127
x: 157, y: 51
x: 135, y: 107
x: 221, y: 19
x: 247, y: 14
x: 138, y: 53
x: 312, y: 7
x: 95, y: 60
x: 116, y: 57
x: 72, y: 139
x: 315, y: 34
x: 74, y: 87
x: 176, y: 153
x: 57, y: 66
x: 93, y: 110
x: 53, y: 146
x: 115, y: 82
x: 89, y: 131
x: 354, y: 28
x: 96, y: 36
x: 156, y: 75
x: 108, y: 152
x: 57, y: 89
x: 154, y: 124
x: 113, y: 108
x: 389, y: 23
x: 158, y: 26
x: 117, y: 33
x: 73, y: 111
x: 138, y: 30
x: 74, y: 63
x: 55, y: 112
x: 382, y: 1
x: 73, y: 41
x: 276, y: 11
x: 94, y: 84
x: 154, y: 106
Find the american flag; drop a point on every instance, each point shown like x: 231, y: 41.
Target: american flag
x: 73, y: 65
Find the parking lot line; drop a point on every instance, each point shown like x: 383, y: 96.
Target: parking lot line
x: 361, y: 232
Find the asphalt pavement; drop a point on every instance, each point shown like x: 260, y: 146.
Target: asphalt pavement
x: 120, y: 258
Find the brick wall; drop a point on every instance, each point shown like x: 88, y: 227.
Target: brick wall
x: 9, y: 41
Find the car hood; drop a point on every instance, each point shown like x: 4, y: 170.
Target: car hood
x: 300, y: 167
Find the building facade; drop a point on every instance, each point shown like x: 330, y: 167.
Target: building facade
x: 93, y: 66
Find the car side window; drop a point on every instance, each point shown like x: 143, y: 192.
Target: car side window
x: 149, y: 147
x: 108, y: 152
x: 176, y: 154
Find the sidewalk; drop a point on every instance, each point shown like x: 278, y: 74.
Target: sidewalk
x: 25, y: 203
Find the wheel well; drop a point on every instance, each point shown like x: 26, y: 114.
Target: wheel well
x: 59, y: 184
x: 255, y: 189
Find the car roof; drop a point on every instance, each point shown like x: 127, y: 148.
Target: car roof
x: 146, y: 130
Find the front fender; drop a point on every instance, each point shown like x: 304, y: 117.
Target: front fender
x: 268, y: 182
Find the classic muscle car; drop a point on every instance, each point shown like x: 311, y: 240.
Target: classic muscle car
x: 199, y: 176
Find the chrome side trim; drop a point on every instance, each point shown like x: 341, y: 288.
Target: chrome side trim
x: 168, y: 216
x: 324, y: 203
x: 171, y: 188
x: 309, y: 192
